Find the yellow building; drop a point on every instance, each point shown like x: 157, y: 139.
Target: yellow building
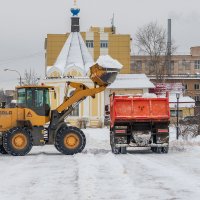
x: 69, y: 56
x: 99, y: 41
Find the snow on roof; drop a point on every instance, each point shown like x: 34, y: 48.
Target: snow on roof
x: 131, y: 81
x: 106, y: 61
x: 184, y: 102
x: 73, y: 54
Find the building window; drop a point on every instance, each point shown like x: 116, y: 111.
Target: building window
x: 104, y: 44
x: 185, y: 86
x: 197, y: 64
x: 172, y: 67
x: 137, y: 67
x: 173, y: 113
x: 196, y: 86
x: 197, y: 98
x: 186, y: 64
x: 90, y: 43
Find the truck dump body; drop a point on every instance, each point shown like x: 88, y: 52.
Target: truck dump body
x: 139, y: 122
x: 138, y: 109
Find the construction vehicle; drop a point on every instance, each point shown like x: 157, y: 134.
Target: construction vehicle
x: 139, y: 122
x: 33, y: 123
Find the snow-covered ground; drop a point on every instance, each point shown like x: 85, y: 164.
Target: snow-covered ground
x: 97, y: 174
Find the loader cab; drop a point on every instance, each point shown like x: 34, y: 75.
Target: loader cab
x: 36, y: 98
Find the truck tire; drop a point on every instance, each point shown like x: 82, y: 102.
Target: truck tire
x: 123, y: 150
x: 115, y: 150
x: 70, y: 140
x: 153, y: 149
x: 18, y: 141
x: 165, y: 149
x: 2, y: 150
x: 159, y: 150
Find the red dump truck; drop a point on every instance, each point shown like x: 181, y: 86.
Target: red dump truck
x: 139, y: 122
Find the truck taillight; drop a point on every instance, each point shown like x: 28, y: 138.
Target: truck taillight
x: 120, y: 131
x: 163, y: 131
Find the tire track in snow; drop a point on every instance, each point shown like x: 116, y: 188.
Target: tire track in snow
x: 159, y: 177
x: 103, y: 177
x: 39, y: 176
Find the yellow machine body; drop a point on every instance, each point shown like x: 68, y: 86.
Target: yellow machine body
x: 26, y: 125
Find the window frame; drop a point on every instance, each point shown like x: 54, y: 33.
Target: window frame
x: 197, y: 64
x: 89, y: 43
x: 104, y: 44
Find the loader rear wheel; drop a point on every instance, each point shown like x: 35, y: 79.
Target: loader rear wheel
x: 2, y: 150
x: 70, y: 140
x: 18, y: 141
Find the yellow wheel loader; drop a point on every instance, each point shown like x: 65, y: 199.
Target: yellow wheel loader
x: 33, y: 123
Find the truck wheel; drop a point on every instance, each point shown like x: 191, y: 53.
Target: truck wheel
x: 123, y: 150
x: 159, y: 150
x: 18, y: 141
x: 153, y: 149
x: 2, y: 150
x: 70, y: 140
x: 115, y: 150
x: 165, y: 149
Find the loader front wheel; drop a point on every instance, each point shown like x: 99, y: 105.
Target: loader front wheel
x: 70, y: 140
x: 2, y: 150
x: 18, y: 141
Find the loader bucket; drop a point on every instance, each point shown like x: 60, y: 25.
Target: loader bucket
x: 103, y: 76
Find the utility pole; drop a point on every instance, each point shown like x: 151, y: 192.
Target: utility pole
x: 169, y: 48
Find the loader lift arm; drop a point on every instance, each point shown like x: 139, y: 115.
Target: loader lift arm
x: 81, y: 92
x: 101, y: 77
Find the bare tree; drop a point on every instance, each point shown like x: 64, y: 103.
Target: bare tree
x: 30, y: 78
x: 151, y: 40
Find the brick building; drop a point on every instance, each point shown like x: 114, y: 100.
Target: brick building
x: 185, y: 69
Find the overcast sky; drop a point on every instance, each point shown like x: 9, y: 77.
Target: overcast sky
x: 24, y: 25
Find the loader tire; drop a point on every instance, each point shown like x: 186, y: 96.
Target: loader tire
x: 18, y: 141
x: 2, y: 150
x: 70, y: 140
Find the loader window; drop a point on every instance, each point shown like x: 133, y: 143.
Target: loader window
x: 46, y: 97
x: 39, y: 98
x: 21, y: 93
x: 29, y: 98
x: 42, y: 98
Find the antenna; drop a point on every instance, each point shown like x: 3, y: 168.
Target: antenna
x: 113, y: 24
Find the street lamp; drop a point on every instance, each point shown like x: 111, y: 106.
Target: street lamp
x: 13, y: 70
x: 177, y: 112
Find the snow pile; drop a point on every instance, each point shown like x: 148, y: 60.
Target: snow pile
x: 187, y: 139
x: 97, y: 174
x: 149, y: 95
x: 108, y: 62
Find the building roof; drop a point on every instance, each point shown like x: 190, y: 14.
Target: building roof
x: 184, y: 102
x: 131, y: 81
x: 74, y: 54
